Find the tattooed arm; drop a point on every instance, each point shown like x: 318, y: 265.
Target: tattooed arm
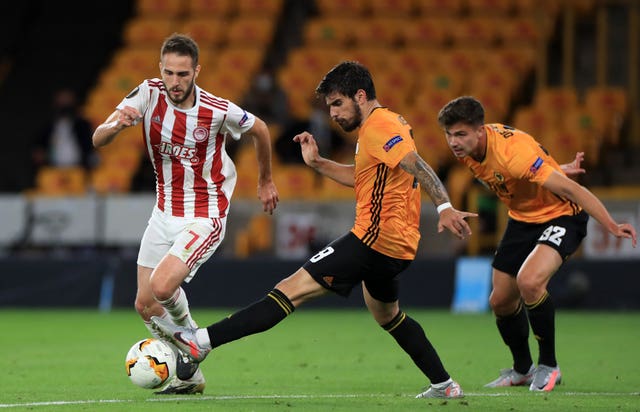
x: 450, y: 218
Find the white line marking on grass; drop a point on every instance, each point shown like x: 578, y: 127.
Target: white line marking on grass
x: 243, y: 397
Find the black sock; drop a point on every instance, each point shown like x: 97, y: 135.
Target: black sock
x: 258, y: 317
x: 410, y: 336
x: 542, y: 317
x: 514, y: 330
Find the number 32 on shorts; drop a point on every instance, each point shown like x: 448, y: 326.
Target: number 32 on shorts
x: 553, y: 234
x: 322, y: 254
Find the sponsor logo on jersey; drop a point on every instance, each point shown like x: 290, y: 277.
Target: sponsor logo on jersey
x: 200, y: 133
x: 536, y: 165
x: 178, y: 151
x: 156, y: 119
x: 244, y: 119
x: 392, y: 142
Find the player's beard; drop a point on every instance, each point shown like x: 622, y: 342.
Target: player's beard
x: 349, y: 126
x: 185, y: 96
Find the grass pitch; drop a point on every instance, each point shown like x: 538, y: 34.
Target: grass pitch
x: 317, y: 360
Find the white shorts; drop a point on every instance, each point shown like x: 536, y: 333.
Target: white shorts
x: 192, y: 240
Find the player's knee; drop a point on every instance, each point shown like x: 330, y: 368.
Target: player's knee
x: 141, y: 306
x: 503, y: 305
x: 530, y: 287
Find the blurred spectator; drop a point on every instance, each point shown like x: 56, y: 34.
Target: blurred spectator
x: 66, y: 140
x: 329, y: 140
x: 265, y: 99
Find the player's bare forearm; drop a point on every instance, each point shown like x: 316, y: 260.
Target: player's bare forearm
x: 426, y: 176
x: 262, y: 142
x: 341, y: 173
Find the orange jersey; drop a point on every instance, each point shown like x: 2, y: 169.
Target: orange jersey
x: 514, y: 168
x: 387, y: 197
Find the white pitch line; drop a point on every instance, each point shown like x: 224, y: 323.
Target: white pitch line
x: 242, y: 397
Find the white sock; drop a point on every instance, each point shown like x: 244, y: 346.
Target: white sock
x: 442, y: 384
x: 177, y: 307
x: 202, y: 337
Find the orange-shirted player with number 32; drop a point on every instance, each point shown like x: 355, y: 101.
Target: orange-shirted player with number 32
x: 387, y: 176
x: 548, y: 214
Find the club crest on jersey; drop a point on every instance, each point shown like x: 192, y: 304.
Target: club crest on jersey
x: 392, y: 142
x: 536, y: 165
x: 200, y: 133
x: 178, y: 151
x: 244, y: 119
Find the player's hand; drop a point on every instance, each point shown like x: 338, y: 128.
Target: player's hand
x: 128, y: 116
x: 627, y: 231
x: 268, y: 195
x: 309, y: 148
x: 573, y: 169
x: 454, y: 221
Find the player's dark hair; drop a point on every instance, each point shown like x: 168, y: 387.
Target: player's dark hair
x: 464, y: 109
x: 347, y: 78
x: 182, y: 45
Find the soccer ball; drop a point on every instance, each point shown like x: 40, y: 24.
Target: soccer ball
x: 150, y: 363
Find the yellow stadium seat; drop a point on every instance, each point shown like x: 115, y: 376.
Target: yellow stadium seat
x: 426, y: 32
x: 476, y: 31
x: 105, y: 180
x: 60, y: 181
x: 379, y: 32
x: 213, y: 8
x: 347, y: 8
x: 440, y: 8
x: 148, y: 31
x: 392, y: 8
x: 533, y: 120
x: 246, y: 60
x: 611, y: 103
x: 164, y: 8
x: 335, y: 32
x: 318, y: 61
x: 250, y: 31
x: 501, y: 8
x: 296, y: 182
x: 267, y: 8
x: 208, y: 31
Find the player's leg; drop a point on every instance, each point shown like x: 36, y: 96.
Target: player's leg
x: 506, y: 303
x: 533, y: 279
x: 380, y: 291
x: 255, y: 318
x: 513, y: 325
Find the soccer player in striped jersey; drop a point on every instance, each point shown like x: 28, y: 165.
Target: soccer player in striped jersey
x: 548, y: 214
x: 387, y: 176
x: 184, y: 129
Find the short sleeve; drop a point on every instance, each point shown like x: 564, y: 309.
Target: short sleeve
x: 238, y: 121
x: 529, y: 164
x: 389, y: 146
x: 137, y: 98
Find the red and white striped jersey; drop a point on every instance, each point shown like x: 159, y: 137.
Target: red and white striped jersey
x: 194, y: 175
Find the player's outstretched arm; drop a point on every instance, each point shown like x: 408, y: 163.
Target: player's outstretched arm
x: 450, y: 218
x: 567, y: 188
x: 341, y: 173
x: 267, y: 191
x: 120, y: 119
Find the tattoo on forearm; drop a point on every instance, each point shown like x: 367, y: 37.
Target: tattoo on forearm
x: 428, y: 179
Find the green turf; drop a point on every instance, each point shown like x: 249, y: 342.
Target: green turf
x: 66, y: 360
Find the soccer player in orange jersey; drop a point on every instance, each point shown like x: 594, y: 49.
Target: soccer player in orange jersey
x: 548, y: 214
x: 387, y: 176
